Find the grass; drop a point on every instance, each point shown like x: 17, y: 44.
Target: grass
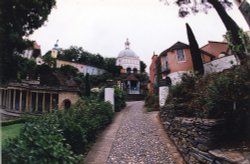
x: 10, y: 131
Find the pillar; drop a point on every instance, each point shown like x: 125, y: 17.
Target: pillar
x: 1, y: 95
x: 36, y: 102
x: 43, y: 108
x: 20, y: 100
x: 163, y: 92
x: 9, y: 103
x: 14, y: 100
x: 50, y: 102
x: 27, y: 107
x: 109, y: 96
x: 4, y: 97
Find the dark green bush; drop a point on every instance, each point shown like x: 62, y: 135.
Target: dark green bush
x: 11, y: 122
x: 93, y: 115
x: 120, y: 99
x: 40, y: 141
x: 224, y: 95
x: 152, y: 102
x: 59, y: 136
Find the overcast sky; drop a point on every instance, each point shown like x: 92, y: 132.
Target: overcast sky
x: 102, y: 26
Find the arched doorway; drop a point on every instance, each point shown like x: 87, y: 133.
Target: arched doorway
x: 67, y: 104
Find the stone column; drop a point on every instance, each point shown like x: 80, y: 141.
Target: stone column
x: 36, y: 102
x: 14, y: 100
x: 4, y: 97
x: 109, y: 94
x: 1, y: 95
x: 20, y: 100
x: 43, y: 110
x: 50, y: 102
x: 27, y: 107
x: 163, y: 92
x: 9, y: 103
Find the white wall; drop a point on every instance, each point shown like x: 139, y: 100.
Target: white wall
x: 220, y: 64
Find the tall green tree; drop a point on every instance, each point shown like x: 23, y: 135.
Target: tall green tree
x: 19, y: 18
x: 195, y: 52
x: 110, y: 66
x: 87, y: 85
x: 143, y: 66
x: 194, y: 6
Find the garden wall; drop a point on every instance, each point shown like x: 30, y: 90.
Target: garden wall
x: 193, y: 137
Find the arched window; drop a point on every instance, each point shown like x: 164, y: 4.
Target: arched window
x: 128, y: 70
x: 135, y: 71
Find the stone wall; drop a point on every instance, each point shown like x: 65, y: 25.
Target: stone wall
x: 193, y: 137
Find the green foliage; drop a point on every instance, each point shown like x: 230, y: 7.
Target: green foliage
x: 60, y: 136
x: 87, y: 85
x: 110, y: 66
x: 79, y: 55
x: 19, y: 19
x: 48, y: 59
x: 69, y: 71
x: 142, y: 66
x: 195, y: 52
x: 152, y: 102
x: 11, y: 122
x: 73, y: 133
x: 9, y: 132
x: 93, y: 115
x: 40, y: 141
x: 224, y: 95
x: 120, y: 99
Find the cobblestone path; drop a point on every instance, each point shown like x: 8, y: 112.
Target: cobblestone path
x: 138, y: 140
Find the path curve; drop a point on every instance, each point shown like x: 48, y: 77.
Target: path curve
x: 135, y: 137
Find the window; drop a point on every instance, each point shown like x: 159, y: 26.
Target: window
x: 180, y: 55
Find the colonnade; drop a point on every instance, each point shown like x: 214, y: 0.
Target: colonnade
x: 24, y: 100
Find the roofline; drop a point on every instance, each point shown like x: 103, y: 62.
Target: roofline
x: 214, y: 42
x: 169, y: 49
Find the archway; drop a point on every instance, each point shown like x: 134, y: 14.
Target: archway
x: 67, y: 104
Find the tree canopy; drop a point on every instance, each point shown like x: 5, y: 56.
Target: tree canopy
x: 18, y: 19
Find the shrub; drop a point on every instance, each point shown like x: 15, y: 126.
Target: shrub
x: 40, y: 141
x: 93, y: 115
x: 224, y: 95
x: 120, y: 99
x: 152, y: 102
x: 11, y: 122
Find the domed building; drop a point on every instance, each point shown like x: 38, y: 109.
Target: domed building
x: 128, y: 60
x: 130, y: 66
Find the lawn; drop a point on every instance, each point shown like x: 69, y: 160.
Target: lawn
x: 10, y: 131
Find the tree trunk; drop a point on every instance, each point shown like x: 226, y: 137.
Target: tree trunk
x: 231, y: 27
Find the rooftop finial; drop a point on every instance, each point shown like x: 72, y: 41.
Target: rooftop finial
x: 127, y: 44
x: 56, y: 44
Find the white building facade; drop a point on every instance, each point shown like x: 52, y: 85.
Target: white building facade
x: 128, y: 60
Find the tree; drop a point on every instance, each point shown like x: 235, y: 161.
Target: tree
x: 195, y: 52
x: 48, y: 59
x: 110, y: 66
x: 195, y: 6
x: 69, y: 71
x: 87, y: 85
x: 143, y: 66
x: 71, y: 54
x: 17, y: 20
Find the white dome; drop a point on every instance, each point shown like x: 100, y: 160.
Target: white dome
x: 127, y: 53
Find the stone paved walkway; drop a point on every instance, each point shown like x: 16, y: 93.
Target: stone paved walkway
x: 139, y: 139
